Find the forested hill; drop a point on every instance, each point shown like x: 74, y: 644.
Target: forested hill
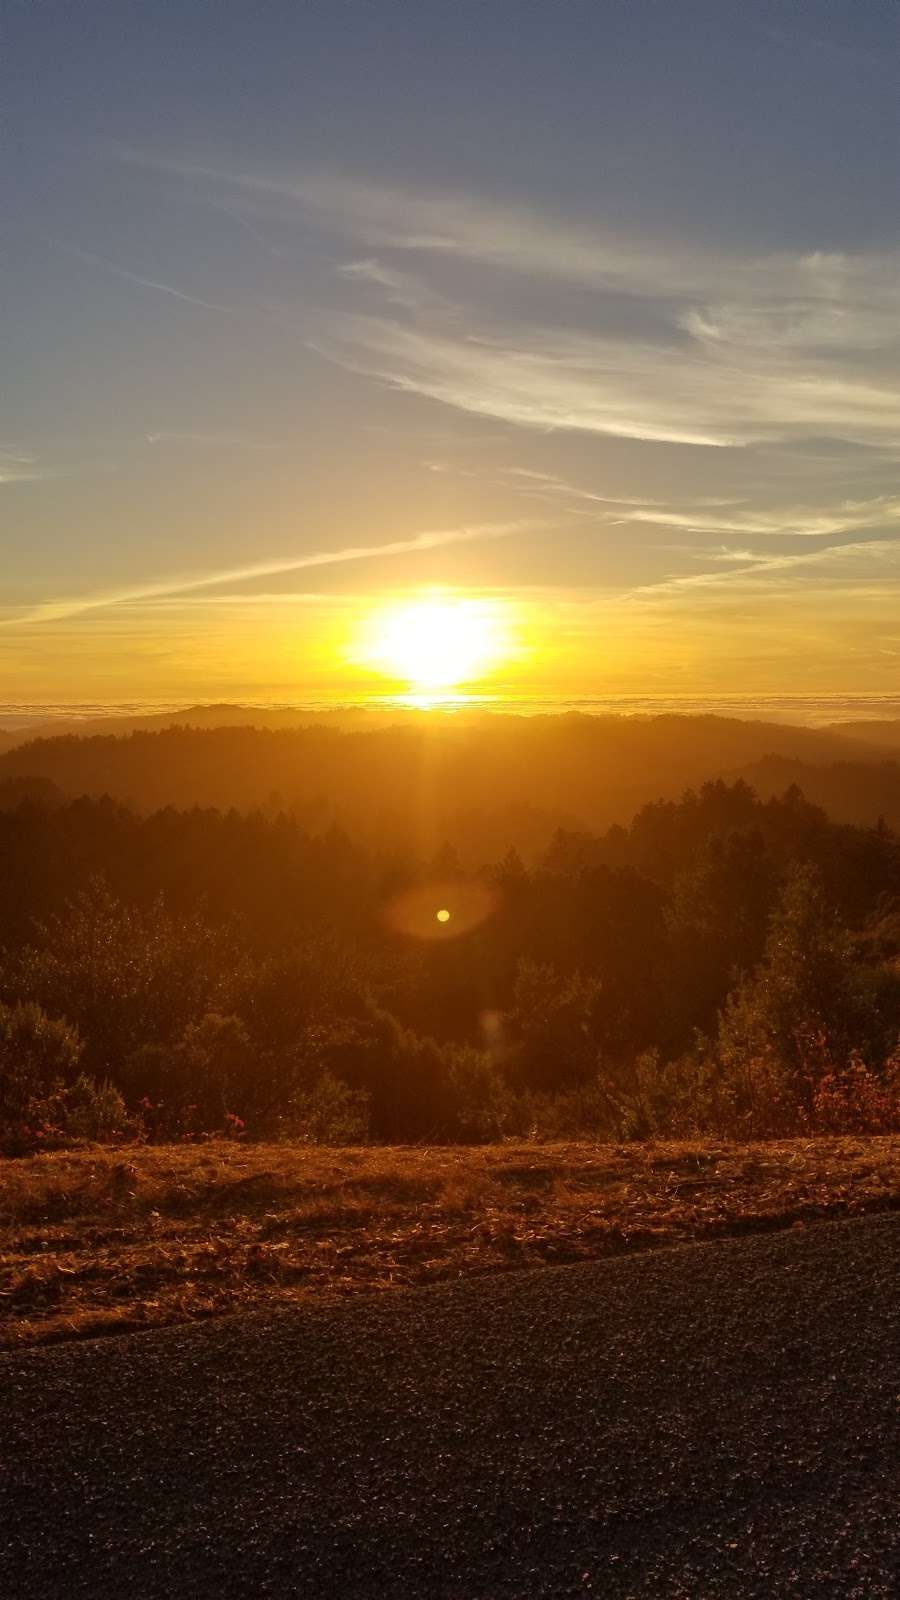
x: 480, y: 784
x: 849, y: 791
x: 721, y: 965
x: 222, y: 715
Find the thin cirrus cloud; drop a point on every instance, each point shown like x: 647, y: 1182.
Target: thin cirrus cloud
x: 526, y: 241
x: 91, y: 260
x: 60, y: 610
x: 16, y: 466
x: 238, y: 441
x: 549, y: 379
x: 730, y: 350
x: 871, y: 559
x: 787, y: 362
x: 791, y: 521
x: 716, y: 514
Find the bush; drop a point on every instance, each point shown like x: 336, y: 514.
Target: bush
x: 760, y: 1097
x: 660, y: 1100
x: 328, y: 1112
x: 95, y: 1112
x: 858, y: 1100
x: 586, y: 1110
x: 744, y: 1097
x: 484, y: 1107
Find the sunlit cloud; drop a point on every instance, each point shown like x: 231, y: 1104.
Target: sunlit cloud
x: 793, y: 521
x: 491, y: 231
x: 548, y: 485
x: 544, y: 380
x: 399, y: 288
x: 58, y: 610
x: 830, y: 568
x: 550, y: 379
x: 735, y: 351
x: 238, y: 440
x: 17, y: 466
x: 711, y: 513
x: 770, y: 381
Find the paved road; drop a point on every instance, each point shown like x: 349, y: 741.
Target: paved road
x: 715, y: 1420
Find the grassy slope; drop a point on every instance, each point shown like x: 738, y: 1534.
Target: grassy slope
x: 100, y: 1241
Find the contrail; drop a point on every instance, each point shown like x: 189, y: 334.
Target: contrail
x: 58, y: 610
x: 144, y: 283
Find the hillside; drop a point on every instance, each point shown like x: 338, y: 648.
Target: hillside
x: 849, y: 791
x: 884, y: 733
x: 480, y: 784
x: 223, y: 714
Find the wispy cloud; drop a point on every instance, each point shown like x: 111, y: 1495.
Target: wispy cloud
x: 490, y: 231
x: 752, y: 571
x: 542, y: 379
x: 550, y: 379
x: 17, y: 466
x: 547, y: 485
x: 788, y: 521
x: 89, y: 259
x: 58, y: 610
x: 399, y: 288
x: 237, y: 440
x: 723, y: 350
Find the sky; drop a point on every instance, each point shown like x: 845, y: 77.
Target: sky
x: 586, y: 310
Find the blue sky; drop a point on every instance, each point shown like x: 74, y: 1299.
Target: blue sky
x: 588, y: 307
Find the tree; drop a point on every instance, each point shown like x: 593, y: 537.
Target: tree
x: 786, y: 1024
x: 552, y: 1017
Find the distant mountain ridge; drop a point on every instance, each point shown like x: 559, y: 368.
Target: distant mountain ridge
x: 224, y: 714
x: 463, y: 780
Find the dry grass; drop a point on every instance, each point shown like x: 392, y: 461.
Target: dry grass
x: 101, y: 1241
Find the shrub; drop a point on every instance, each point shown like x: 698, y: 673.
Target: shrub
x: 584, y: 1110
x: 94, y: 1111
x: 744, y: 1097
x: 659, y: 1099
x: 857, y: 1100
x: 484, y: 1107
x: 328, y: 1112
x: 761, y: 1097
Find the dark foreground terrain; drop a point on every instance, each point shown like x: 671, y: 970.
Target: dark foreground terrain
x: 718, y: 1419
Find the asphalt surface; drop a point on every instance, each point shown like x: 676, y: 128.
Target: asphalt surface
x: 713, y: 1420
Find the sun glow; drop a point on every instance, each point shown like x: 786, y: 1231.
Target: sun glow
x: 436, y: 644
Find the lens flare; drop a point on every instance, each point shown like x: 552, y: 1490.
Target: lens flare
x: 461, y: 907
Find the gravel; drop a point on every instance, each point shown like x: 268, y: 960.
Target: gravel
x: 717, y: 1419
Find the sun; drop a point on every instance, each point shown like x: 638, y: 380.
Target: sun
x: 435, y: 644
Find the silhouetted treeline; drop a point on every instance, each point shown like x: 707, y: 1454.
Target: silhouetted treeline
x: 721, y: 964
x: 482, y: 785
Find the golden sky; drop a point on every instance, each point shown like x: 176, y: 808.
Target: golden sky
x: 591, y: 326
